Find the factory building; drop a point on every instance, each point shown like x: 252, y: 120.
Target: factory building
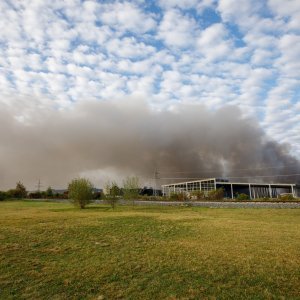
x: 232, y: 189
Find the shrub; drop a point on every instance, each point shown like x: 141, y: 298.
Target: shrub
x: 3, y: 196
x: 80, y: 192
x: 12, y: 193
x: 286, y: 197
x: 217, y: 194
x: 183, y: 196
x: 180, y: 196
x: 173, y: 196
x: 199, y: 195
x: 242, y: 197
x: 153, y: 198
x: 35, y: 195
x: 18, y: 192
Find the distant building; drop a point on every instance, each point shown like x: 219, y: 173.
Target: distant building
x: 232, y: 189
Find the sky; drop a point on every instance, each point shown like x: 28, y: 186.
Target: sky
x: 58, y: 54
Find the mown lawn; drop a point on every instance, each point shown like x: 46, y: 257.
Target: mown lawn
x: 53, y: 251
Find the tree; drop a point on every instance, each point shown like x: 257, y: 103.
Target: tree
x: 49, y: 192
x: 20, y: 191
x: 131, y: 187
x: 113, y: 192
x: 80, y: 192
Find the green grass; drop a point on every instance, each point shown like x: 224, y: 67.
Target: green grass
x: 53, y: 251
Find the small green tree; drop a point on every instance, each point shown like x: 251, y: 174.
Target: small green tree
x: 131, y: 188
x: 49, y: 192
x: 80, y: 192
x: 113, y: 192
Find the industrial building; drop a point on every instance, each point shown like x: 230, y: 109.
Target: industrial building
x: 232, y: 189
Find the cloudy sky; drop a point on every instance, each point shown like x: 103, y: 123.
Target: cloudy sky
x: 215, y: 53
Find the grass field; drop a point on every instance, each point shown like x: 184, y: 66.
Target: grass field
x: 53, y: 251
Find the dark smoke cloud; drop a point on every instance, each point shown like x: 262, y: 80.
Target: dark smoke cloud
x: 122, y: 138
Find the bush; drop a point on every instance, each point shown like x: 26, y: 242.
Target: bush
x: 35, y: 195
x: 153, y: 198
x: 18, y: 192
x: 199, y: 195
x: 3, y: 196
x: 180, y: 196
x: 286, y: 197
x: 80, y: 192
x: 12, y: 193
x: 242, y: 197
x: 217, y: 194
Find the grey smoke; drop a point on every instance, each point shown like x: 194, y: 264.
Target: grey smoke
x: 128, y: 137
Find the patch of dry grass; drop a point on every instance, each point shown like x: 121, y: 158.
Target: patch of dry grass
x: 53, y: 251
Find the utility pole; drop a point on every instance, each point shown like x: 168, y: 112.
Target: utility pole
x: 39, y: 185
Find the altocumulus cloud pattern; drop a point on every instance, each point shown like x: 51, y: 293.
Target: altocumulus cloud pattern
x: 58, y: 54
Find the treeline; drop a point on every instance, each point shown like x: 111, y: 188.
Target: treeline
x: 18, y: 192
x: 129, y: 189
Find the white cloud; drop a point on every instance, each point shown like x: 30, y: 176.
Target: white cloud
x: 129, y: 47
x: 199, y: 5
x: 127, y: 16
x: 287, y: 8
x: 289, y: 61
x: 177, y: 30
x: 244, y: 13
x: 262, y: 57
x: 213, y: 42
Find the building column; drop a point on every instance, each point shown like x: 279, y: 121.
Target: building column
x: 270, y: 191
x: 293, y: 192
x: 231, y: 191
x: 250, y: 194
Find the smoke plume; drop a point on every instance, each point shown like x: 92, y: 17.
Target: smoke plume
x: 119, y: 138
